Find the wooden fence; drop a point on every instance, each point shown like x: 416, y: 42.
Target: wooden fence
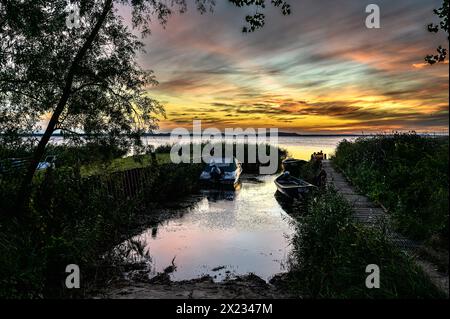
x: 129, y: 184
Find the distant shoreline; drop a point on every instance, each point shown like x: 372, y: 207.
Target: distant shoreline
x: 280, y: 134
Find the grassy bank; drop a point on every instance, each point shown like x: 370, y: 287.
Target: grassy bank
x: 75, y: 220
x: 123, y: 164
x: 408, y: 174
x: 331, y: 252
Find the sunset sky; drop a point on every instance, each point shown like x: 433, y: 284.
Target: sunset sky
x: 319, y: 70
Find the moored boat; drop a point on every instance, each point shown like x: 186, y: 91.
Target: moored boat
x: 293, y: 165
x: 293, y: 187
x: 222, y: 171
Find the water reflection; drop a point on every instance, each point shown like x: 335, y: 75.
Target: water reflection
x: 292, y: 206
x: 227, y: 233
x: 154, y: 231
x: 224, y: 193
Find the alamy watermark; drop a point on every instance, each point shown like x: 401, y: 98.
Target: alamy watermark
x: 73, y: 279
x: 373, y: 20
x: 260, y: 146
x: 373, y: 279
x: 73, y: 17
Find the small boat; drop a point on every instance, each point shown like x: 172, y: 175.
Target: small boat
x: 293, y: 187
x: 47, y: 163
x: 222, y: 171
x: 292, y: 165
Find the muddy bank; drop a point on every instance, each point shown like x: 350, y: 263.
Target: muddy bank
x: 161, y: 287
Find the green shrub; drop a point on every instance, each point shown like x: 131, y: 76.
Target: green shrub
x: 408, y: 173
x: 331, y: 252
x: 76, y: 220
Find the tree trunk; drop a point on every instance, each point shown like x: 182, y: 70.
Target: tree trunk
x: 25, y: 193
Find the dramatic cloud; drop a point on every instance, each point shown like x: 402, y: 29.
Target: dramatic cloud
x: 318, y: 70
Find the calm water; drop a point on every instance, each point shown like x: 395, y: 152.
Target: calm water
x: 230, y: 233
x: 224, y: 234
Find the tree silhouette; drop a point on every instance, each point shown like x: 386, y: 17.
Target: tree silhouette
x: 257, y: 20
x: 85, y: 78
x: 442, y: 13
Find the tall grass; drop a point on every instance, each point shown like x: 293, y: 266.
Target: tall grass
x: 407, y: 173
x: 331, y: 252
x: 242, y: 151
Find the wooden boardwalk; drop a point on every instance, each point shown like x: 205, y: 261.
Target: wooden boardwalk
x: 373, y: 214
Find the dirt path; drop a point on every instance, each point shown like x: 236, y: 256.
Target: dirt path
x: 368, y: 213
x: 160, y: 287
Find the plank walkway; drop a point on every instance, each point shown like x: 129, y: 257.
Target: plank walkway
x: 371, y: 214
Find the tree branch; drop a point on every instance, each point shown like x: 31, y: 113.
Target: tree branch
x: 26, y: 190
